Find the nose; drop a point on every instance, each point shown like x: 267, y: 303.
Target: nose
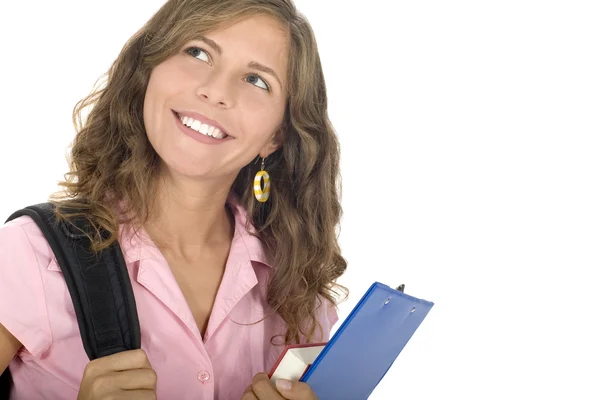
x: 215, y: 91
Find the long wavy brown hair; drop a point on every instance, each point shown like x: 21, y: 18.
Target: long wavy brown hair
x: 111, y: 158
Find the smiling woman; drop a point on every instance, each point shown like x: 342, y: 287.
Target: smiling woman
x: 224, y: 271
x: 240, y: 103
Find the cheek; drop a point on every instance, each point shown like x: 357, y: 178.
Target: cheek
x: 154, y: 116
x: 151, y: 117
x: 151, y: 100
x: 160, y: 89
x: 165, y: 81
x: 261, y: 120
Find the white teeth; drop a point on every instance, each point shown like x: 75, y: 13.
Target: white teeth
x: 204, y: 129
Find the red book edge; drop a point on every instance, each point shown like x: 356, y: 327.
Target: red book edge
x: 305, y: 369
x: 293, y: 346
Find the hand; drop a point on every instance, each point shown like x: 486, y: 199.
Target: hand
x: 124, y: 375
x: 263, y: 389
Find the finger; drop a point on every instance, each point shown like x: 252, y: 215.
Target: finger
x: 122, y: 361
x: 261, y: 376
x: 295, y: 390
x: 131, y: 359
x: 249, y: 394
x: 131, y: 380
x: 263, y: 388
x: 141, y: 394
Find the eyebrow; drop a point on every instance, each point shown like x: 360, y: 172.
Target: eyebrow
x: 251, y: 64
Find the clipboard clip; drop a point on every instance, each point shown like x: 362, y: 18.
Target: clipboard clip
x: 401, y: 290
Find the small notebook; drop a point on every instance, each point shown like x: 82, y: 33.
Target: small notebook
x: 359, y: 354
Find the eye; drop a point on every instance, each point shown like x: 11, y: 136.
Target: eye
x: 254, y: 79
x: 196, y: 51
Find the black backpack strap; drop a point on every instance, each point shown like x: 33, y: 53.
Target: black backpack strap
x: 98, y: 283
x: 5, y: 384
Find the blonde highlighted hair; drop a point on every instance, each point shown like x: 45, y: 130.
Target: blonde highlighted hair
x: 111, y: 158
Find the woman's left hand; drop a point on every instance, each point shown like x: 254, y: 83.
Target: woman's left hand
x: 263, y: 389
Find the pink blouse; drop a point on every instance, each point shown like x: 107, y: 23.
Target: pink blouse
x: 36, y: 308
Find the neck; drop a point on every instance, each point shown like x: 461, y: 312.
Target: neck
x: 190, y: 216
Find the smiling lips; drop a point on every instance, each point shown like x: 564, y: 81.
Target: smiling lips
x: 202, y: 125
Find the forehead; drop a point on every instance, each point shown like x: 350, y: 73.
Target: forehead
x: 256, y: 29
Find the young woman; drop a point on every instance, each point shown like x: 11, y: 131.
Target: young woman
x: 209, y: 102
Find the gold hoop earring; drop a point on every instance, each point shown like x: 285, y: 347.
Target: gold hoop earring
x: 261, y: 192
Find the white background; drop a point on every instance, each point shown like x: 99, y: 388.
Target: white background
x: 471, y: 168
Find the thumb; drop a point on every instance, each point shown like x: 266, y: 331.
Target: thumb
x: 295, y: 390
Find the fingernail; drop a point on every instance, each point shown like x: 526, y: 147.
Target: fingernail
x: 283, y: 384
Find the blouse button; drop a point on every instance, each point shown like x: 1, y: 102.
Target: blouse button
x: 203, y: 376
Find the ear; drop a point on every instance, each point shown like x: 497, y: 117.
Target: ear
x: 273, y: 144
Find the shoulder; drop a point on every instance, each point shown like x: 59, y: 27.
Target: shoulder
x: 22, y: 238
x: 329, y: 310
x: 24, y: 259
x: 327, y: 316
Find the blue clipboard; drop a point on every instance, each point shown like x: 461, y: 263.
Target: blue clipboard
x: 364, y: 347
